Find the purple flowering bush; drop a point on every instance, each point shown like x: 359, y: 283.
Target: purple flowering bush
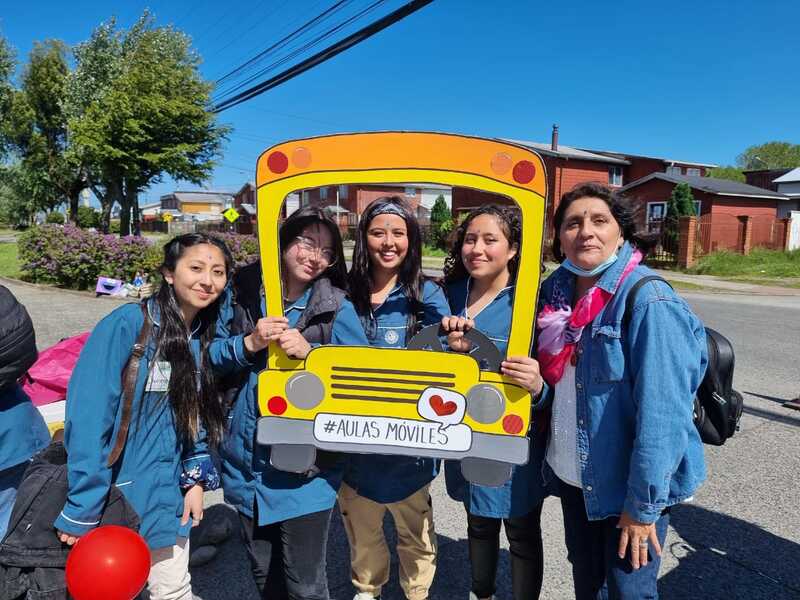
x: 74, y: 258
x: 243, y: 247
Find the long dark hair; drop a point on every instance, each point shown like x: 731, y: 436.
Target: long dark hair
x: 310, y: 215
x: 410, y: 277
x: 191, y: 405
x: 621, y: 209
x: 510, y: 224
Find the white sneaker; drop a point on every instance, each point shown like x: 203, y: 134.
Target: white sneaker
x: 472, y: 596
x: 365, y: 596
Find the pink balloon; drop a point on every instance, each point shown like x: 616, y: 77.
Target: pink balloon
x: 108, y: 563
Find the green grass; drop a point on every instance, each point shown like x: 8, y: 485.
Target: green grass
x: 9, y: 264
x: 760, y: 263
x: 433, y: 251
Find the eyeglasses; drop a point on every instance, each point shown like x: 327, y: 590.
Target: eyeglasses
x: 309, y: 248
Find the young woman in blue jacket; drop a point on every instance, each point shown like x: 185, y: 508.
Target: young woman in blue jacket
x: 285, y: 516
x: 393, y: 299
x: 623, y: 446
x: 480, y: 272
x: 165, y: 466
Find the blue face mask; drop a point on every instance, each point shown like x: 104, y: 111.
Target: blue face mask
x: 573, y: 268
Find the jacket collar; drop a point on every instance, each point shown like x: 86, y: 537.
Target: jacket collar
x: 154, y: 312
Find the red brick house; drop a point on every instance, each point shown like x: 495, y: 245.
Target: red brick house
x: 567, y: 167
x: 722, y: 207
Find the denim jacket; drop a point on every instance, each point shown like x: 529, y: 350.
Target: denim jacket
x: 379, y: 477
x: 638, y: 448
x: 149, y: 470
x: 525, y: 490
x: 250, y: 482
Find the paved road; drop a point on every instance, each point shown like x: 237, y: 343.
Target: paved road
x: 737, y: 540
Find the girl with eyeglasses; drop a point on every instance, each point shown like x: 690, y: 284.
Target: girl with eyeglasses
x: 284, y: 516
x: 393, y: 299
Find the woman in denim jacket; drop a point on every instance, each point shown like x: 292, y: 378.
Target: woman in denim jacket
x: 623, y: 445
x: 175, y: 415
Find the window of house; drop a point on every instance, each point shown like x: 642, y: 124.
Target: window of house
x: 697, y: 207
x: 411, y: 192
x: 693, y: 171
x: 323, y: 193
x: 673, y: 170
x: 656, y: 211
x: 615, y: 175
x: 343, y: 190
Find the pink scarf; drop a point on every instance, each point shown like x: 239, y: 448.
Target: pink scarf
x: 560, y: 327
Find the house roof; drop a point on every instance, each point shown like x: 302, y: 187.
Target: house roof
x: 202, y: 196
x: 712, y: 185
x: 667, y: 161
x: 568, y: 152
x: 248, y: 208
x: 790, y: 177
x: 249, y: 184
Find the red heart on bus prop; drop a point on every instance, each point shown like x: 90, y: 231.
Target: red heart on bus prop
x: 442, y: 408
x: 108, y: 563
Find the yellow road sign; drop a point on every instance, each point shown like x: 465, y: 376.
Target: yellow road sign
x: 231, y: 214
x: 166, y: 217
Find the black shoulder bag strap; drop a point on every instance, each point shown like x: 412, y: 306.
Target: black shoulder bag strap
x: 129, y: 376
x: 631, y: 299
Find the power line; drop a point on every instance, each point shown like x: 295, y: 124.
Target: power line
x: 283, y: 41
x: 324, y: 55
x: 298, y: 51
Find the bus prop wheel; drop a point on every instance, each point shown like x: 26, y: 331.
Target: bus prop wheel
x: 482, y: 471
x: 293, y: 458
x: 483, y: 349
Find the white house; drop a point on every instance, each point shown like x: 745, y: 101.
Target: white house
x: 789, y: 184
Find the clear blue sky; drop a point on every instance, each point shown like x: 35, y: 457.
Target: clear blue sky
x: 695, y: 81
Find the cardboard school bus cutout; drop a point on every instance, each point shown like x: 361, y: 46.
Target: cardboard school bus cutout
x: 412, y: 401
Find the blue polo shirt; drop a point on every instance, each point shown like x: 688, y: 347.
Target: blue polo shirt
x: 520, y: 494
x: 390, y: 478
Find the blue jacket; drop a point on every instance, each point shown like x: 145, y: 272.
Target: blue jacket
x: 526, y: 489
x: 150, y: 467
x: 248, y: 478
x: 23, y: 431
x: 638, y: 448
x: 388, y: 478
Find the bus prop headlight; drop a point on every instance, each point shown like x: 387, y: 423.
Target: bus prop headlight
x: 305, y: 390
x: 485, y: 403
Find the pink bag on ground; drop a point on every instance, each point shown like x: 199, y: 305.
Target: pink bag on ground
x: 46, y: 381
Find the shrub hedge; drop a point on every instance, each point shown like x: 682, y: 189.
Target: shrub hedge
x: 71, y: 257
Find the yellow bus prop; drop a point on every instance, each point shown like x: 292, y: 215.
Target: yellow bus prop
x: 400, y: 401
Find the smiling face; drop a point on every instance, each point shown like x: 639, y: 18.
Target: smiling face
x: 486, y: 249
x: 308, y: 255
x: 198, y: 279
x: 589, y: 233
x: 387, y: 242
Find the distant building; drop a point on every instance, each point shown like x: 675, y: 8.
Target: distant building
x: 197, y: 205
x: 789, y: 185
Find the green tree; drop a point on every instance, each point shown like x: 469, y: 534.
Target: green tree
x: 680, y: 204
x: 38, y: 129
x: 732, y: 173
x: 7, y: 64
x: 87, y: 217
x: 139, y: 111
x: 772, y: 155
x: 441, y: 221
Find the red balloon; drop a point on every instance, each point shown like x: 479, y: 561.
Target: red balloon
x: 108, y: 563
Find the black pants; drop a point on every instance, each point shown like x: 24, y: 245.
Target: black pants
x: 525, y: 544
x: 288, y: 557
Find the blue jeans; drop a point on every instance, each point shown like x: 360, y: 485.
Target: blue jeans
x: 597, y: 570
x: 9, y: 482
